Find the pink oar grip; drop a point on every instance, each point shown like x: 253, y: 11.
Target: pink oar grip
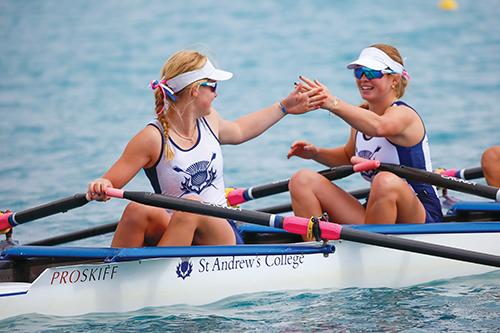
x: 450, y: 173
x: 114, y: 192
x: 298, y: 225
x: 365, y: 165
x: 235, y: 197
x: 4, y: 221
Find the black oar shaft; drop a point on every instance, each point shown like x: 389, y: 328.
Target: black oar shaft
x: 282, y: 185
x: 51, y: 208
x: 298, y: 223
x: 448, y: 182
x: 77, y: 235
x: 473, y: 173
x: 419, y: 247
x: 198, y: 207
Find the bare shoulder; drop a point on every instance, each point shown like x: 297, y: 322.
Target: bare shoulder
x: 214, y: 121
x: 145, y: 145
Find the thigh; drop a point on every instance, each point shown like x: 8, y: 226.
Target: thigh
x: 396, y: 191
x: 214, y: 231
x: 140, y: 225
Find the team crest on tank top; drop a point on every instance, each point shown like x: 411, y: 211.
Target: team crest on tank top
x: 198, y: 176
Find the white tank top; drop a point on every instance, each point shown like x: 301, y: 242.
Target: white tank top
x: 380, y: 148
x: 197, y: 171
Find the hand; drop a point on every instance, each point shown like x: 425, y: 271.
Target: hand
x: 97, y: 189
x: 302, y: 100
x: 358, y: 160
x: 302, y: 149
x: 309, y: 85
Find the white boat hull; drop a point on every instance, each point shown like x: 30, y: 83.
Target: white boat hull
x: 132, y: 285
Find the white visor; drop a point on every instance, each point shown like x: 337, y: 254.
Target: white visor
x: 207, y: 72
x: 376, y: 59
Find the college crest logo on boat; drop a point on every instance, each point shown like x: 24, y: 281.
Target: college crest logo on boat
x: 198, y: 176
x: 184, y: 268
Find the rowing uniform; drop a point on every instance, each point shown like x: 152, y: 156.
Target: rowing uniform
x: 418, y: 156
x: 197, y: 171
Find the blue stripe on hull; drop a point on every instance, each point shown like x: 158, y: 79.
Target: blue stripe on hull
x: 398, y: 229
x: 137, y: 253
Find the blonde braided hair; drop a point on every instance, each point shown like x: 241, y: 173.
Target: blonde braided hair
x: 179, y: 63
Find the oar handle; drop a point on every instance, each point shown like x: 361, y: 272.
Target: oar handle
x: 241, y: 195
x: 10, y: 220
x: 445, y: 181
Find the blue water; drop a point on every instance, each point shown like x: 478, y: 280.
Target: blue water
x: 73, y: 91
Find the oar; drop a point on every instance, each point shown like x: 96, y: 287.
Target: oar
x: 283, y: 208
x: 300, y: 225
x: 77, y: 235
x: 452, y: 183
x: 9, y: 219
x: 240, y: 195
x: 470, y: 173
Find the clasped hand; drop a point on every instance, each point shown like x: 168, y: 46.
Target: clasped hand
x: 302, y: 99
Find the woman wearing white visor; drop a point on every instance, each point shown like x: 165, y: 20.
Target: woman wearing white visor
x: 383, y: 128
x: 180, y: 153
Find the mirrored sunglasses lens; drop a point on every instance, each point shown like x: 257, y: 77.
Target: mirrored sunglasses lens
x: 370, y: 73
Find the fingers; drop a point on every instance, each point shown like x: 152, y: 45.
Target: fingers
x: 97, y: 189
x: 357, y: 160
x: 301, y: 149
x: 310, y: 83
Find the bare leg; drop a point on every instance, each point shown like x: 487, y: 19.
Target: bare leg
x: 313, y: 194
x: 490, y: 162
x: 140, y: 225
x: 187, y: 229
x: 393, y: 201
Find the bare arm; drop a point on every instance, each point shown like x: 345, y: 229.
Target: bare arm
x: 141, y: 152
x: 330, y: 157
x: 254, y: 124
x: 399, y: 124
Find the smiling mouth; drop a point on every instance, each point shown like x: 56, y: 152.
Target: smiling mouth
x: 367, y: 88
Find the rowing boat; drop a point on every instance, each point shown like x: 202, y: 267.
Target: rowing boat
x: 87, y: 280
x: 68, y: 281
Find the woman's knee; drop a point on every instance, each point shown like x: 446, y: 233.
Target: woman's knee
x: 144, y: 216
x: 386, y: 183
x: 302, y: 179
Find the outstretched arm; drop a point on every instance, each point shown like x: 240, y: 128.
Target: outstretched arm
x: 254, y: 124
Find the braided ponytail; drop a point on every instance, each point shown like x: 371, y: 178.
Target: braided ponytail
x: 162, y: 118
x: 179, y: 63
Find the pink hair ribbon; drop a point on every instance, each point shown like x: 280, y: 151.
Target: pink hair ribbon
x: 165, y: 90
x: 406, y: 75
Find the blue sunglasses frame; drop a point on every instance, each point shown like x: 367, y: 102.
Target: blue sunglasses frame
x: 371, y: 73
x: 212, y: 85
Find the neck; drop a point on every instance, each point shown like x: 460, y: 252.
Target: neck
x: 379, y: 107
x: 184, y: 127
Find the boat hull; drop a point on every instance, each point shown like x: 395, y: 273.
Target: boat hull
x: 120, y: 286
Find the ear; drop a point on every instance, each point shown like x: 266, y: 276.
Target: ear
x: 194, y: 90
x: 395, y: 79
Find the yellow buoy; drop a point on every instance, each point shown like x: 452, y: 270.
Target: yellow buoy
x: 448, y: 5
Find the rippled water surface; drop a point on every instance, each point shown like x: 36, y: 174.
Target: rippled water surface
x: 73, y: 91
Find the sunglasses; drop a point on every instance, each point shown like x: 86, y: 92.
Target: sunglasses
x: 212, y: 85
x: 371, y: 73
